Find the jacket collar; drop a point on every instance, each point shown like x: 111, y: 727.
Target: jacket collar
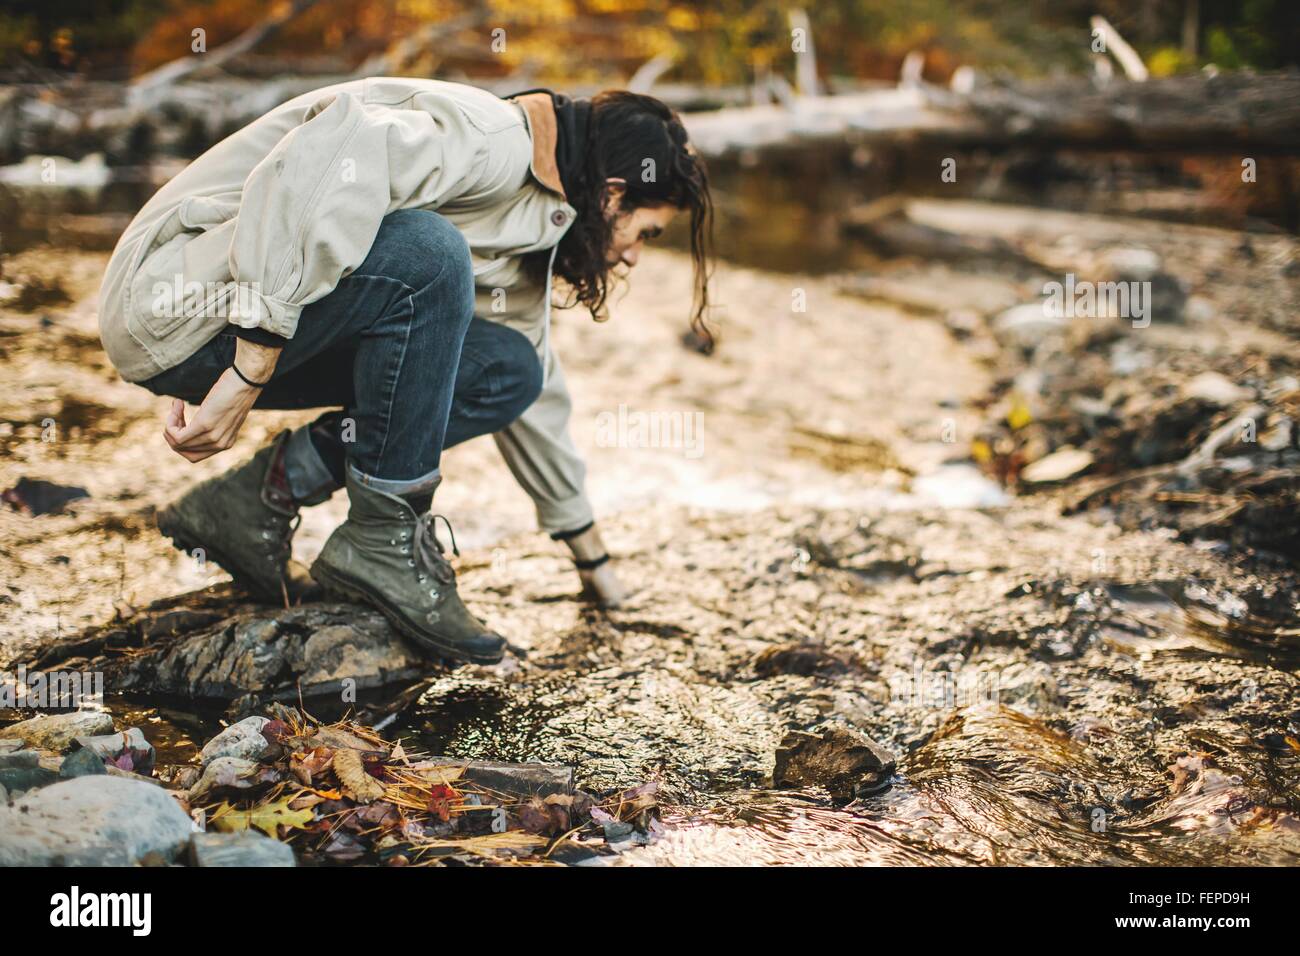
x: 544, y: 131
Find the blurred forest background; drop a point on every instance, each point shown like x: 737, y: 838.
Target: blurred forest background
x: 723, y: 42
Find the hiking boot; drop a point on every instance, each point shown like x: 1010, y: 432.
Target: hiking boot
x: 244, y: 520
x: 387, y: 556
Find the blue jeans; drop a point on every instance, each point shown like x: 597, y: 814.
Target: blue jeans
x: 396, y: 347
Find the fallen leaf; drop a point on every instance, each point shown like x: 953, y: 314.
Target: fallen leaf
x: 275, y: 731
x: 352, y: 774
x: 378, y: 814
x: 268, y: 818
x: 439, y: 774
x: 634, y: 801
x: 440, y: 800
x: 543, y: 818
x: 338, y: 739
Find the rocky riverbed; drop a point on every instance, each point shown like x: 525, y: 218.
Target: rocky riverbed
x: 825, y: 546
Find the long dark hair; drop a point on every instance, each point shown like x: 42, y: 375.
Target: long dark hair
x: 636, y: 138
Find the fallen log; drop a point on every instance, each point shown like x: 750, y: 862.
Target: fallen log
x: 1231, y: 112
x: 1224, y: 113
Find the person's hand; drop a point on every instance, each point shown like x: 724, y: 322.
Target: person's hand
x: 600, y: 584
x: 217, y: 421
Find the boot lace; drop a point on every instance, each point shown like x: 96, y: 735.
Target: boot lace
x: 278, y: 534
x: 430, y: 555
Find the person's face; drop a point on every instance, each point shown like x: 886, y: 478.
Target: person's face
x: 630, y: 230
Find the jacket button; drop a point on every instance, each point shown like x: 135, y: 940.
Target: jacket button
x: 559, y: 217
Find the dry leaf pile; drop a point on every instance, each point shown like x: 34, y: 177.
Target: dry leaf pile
x: 339, y: 793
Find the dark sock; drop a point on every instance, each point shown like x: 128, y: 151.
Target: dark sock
x: 420, y: 503
x: 326, y: 434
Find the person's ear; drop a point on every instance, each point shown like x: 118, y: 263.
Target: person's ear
x: 615, y: 189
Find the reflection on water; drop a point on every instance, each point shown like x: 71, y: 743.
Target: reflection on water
x: 1190, y: 617
x: 993, y: 788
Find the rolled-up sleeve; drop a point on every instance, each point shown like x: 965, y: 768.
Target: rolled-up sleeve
x: 310, y: 210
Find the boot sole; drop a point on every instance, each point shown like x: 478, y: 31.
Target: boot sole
x: 357, y: 594
x: 171, y: 527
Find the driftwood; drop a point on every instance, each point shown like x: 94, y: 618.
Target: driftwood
x: 1118, y: 47
x: 142, y: 86
x: 1233, y: 113
x: 1242, y: 113
x: 884, y: 225
x: 393, y: 60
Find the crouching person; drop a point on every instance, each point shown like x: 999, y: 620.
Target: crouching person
x: 384, y: 250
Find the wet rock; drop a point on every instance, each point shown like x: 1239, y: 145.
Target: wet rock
x: 35, y: 497
x: 20, y: 759
x: 178, y: 776
x: 1216, y: 389
x: 179, y: 621
x: 224, y: 773
x: 859, y: 547
x: 1168, y: 294
x: 82, y: 763
x: 803, y: 658
x: 1024, y: 326
x: 265, y: 653
x: 19, y: 779
x: 845, y: 762
x: 1065, y: 462
x: 1199, y: 310
x: 1132, y: 263
x: 128, y: 750
x: 92, y: 821
x: 243, y: 740
x: 518, y: 780
x: 59, y: 731
x: 342, y: 651
x: 247, y: 848
x: 959, y: 486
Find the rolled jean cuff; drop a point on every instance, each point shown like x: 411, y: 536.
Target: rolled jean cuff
x: 310, y: 481
x: 423, y: 485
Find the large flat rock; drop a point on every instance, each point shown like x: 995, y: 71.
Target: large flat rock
x: 212, y: 645
x: 92, y: 821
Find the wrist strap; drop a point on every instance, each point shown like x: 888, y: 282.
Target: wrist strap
x: 589, y: 565
x: 248, y: 381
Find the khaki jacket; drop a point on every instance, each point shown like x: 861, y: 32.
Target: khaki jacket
x: 268, y: 221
